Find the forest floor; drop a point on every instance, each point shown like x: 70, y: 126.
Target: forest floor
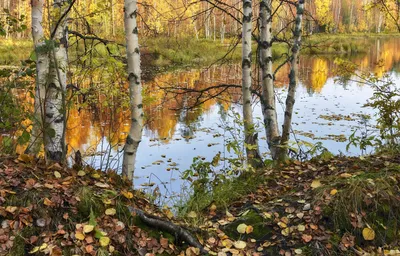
x: 331, y: 206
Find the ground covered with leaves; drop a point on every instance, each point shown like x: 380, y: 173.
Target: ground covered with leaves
x: 336, y: 206
x: 331, y: 206
x: 51, y: 210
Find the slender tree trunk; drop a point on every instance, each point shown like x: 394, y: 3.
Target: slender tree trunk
x: 268, y: 93
x: 55, y: 104
x: 290, y: 100
x: 42, y: 68
x: 112, y: 19
x: 135, y: 89
x: 251, y: 144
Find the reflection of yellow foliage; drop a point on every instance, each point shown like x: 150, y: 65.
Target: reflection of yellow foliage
x: 319, y: 74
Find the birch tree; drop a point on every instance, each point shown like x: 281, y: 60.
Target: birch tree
x: 293, y: 78
x: 251, y: 144
x: 135, y: 88
x: 55, y: 104
x: 267, y: 77
x: 42, y: 68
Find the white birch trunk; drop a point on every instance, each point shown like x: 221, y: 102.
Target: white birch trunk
x: 42, y: 67
x: 55, y: 105
x: 290, y: 100
x: 135, y: 89
x: 267, y: 76
x: 250, y: 136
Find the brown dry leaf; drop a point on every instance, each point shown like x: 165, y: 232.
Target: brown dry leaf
x: 346, y: 175
x: 306, y: 238
x: 164, y: 242
x: 89, y: 248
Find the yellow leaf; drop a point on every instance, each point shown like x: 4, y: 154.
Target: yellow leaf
x: 57, y: 174
x: 241, y: 228
x: 240, y: 244
x: 192, y: 214
x: 107, y: 201
x: 34, y: 250
x: 316, y: 184
x: 285, y: 231
x: 104, y: 241
x: 249, y: 229
x: 81, y: 173
x: 301, y: 228
x: 47, y: 202
x: 88, y: 228
x: 127, y: 194
x: 79, y: 236
x: 11, y: 209
x: 333, y: 192
x: 111, y: 211
x: 25, y: 158
x: 368, y: 234
x: 282, y: 224
x: 96, y: 175
x: 227, y: 243
x: 43, y: 246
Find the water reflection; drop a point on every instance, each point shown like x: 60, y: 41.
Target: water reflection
x: 174, y: 135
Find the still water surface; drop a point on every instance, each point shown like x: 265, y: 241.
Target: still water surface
x: 172, y: 138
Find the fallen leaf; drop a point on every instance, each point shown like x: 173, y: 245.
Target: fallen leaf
x: 111, y: 211
x: 101, y: 185
x: 104, y: 241
x: 368, y: 234
x: 301, y: 228
x: 88, y: 228
x: 57, y: 174
x: 249, y: 229
x: 79, y: 236
x: 240, y: 244
x: 241, y: 228
x: 306, y: 238
x: 333, y: 192
x: 192, y: 214
x: 127, y: 194
x: 316, y: 184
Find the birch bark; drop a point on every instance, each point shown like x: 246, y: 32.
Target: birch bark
x: 290, y: 100
x: 267, y: 75
x: 251, y: 144
x: 135, y: 89
x: 42, y: 67
x: 55, y: 105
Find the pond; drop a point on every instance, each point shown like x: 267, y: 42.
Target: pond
x: 325, y: 111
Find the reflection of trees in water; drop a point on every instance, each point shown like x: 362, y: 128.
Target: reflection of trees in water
x: 166, y: 113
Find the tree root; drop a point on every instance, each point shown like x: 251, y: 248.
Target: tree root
x: 169, y: 227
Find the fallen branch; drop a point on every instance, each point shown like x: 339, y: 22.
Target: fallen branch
x: 169, y: 227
